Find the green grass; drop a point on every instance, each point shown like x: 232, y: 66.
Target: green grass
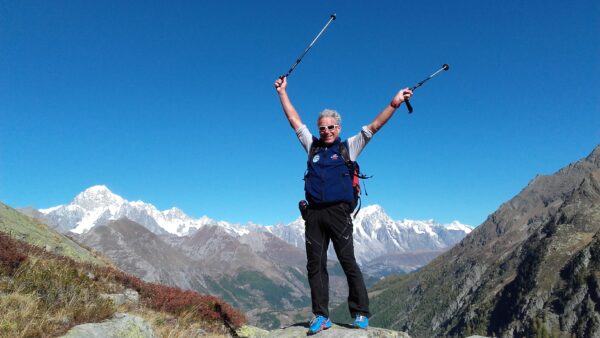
x: 27, y: 229
x: 272, y: 292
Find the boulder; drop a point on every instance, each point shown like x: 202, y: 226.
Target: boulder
x: 121, y: 325
x: 129, y: 296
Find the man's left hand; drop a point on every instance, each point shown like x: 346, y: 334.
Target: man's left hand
x: 400, y: 97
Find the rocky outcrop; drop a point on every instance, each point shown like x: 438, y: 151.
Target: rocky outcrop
x: 336, y: 331
x: 122, y: 325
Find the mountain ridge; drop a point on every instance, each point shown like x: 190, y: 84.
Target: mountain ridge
x: 375, y: 233
x: 533, y: 266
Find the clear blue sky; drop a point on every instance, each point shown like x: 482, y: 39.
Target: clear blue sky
x: 172, y: 102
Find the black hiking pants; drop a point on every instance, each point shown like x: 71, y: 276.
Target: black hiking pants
x: 325, y: 224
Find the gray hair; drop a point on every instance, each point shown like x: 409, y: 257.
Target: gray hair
x: 330, y: 113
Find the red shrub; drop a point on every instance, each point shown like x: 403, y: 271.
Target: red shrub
x: 10, y: 256
x: 177, y: 301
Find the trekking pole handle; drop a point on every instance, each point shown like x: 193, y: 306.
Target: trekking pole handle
x: 408, y: 106
x: 444, y: 67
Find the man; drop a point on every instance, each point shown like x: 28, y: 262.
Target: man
x: 330, y: 196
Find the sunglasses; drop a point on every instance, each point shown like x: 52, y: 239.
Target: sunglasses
x: 331, y: 127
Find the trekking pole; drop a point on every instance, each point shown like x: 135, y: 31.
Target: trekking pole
x: 331, y: 18
x: 408, y: 105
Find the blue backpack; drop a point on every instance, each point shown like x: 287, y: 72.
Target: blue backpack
x: 353, y: 170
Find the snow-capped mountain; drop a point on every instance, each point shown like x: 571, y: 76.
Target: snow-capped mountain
x: 375, y: 233
x: 98, y: 205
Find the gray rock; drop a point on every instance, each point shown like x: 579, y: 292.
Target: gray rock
x: 132, y: 296
x: 122, y: 325
x: 129, y: 296
x: 336, y: 331
x: 248, y: 331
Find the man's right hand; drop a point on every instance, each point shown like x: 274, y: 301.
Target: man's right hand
x: 281, y: 85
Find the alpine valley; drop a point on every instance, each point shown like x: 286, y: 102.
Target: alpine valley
x: 259, y: 269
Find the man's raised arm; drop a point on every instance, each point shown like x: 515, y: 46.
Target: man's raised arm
x: 387, y: 113
x: 289, y: 110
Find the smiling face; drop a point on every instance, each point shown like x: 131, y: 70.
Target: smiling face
x: 327, y: 135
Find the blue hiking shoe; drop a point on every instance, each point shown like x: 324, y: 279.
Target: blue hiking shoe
x: 361, y: 322
x: 318, y: 324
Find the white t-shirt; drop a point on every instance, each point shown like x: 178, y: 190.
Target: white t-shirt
x: 356, y: 143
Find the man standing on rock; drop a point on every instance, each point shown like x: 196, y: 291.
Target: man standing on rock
x: 330, y: 196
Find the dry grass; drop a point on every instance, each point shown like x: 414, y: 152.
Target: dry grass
x: 44, y: 294
x: 184, y: 325
x: 43, y: 298
x: 15, y: 313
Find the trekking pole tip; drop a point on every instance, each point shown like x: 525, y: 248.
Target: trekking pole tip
x: 445, y: 66
x: 333, y: 16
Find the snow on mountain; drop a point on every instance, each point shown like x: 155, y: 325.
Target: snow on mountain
x: 98, y: 205
x: 292, y: 233
x: 375, y: 233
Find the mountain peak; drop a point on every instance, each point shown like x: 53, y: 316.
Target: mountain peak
x: 372, y: 209
x: 456, y: 225
x: 174, y: 212
x: 97, y: 196
x: 101, y: 188
x: 594, y: 157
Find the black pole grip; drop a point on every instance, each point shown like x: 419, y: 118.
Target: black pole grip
x: 408, y: 106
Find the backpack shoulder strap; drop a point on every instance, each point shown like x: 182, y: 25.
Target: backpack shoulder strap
x: 314, y: 148
x: 344, y: 151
